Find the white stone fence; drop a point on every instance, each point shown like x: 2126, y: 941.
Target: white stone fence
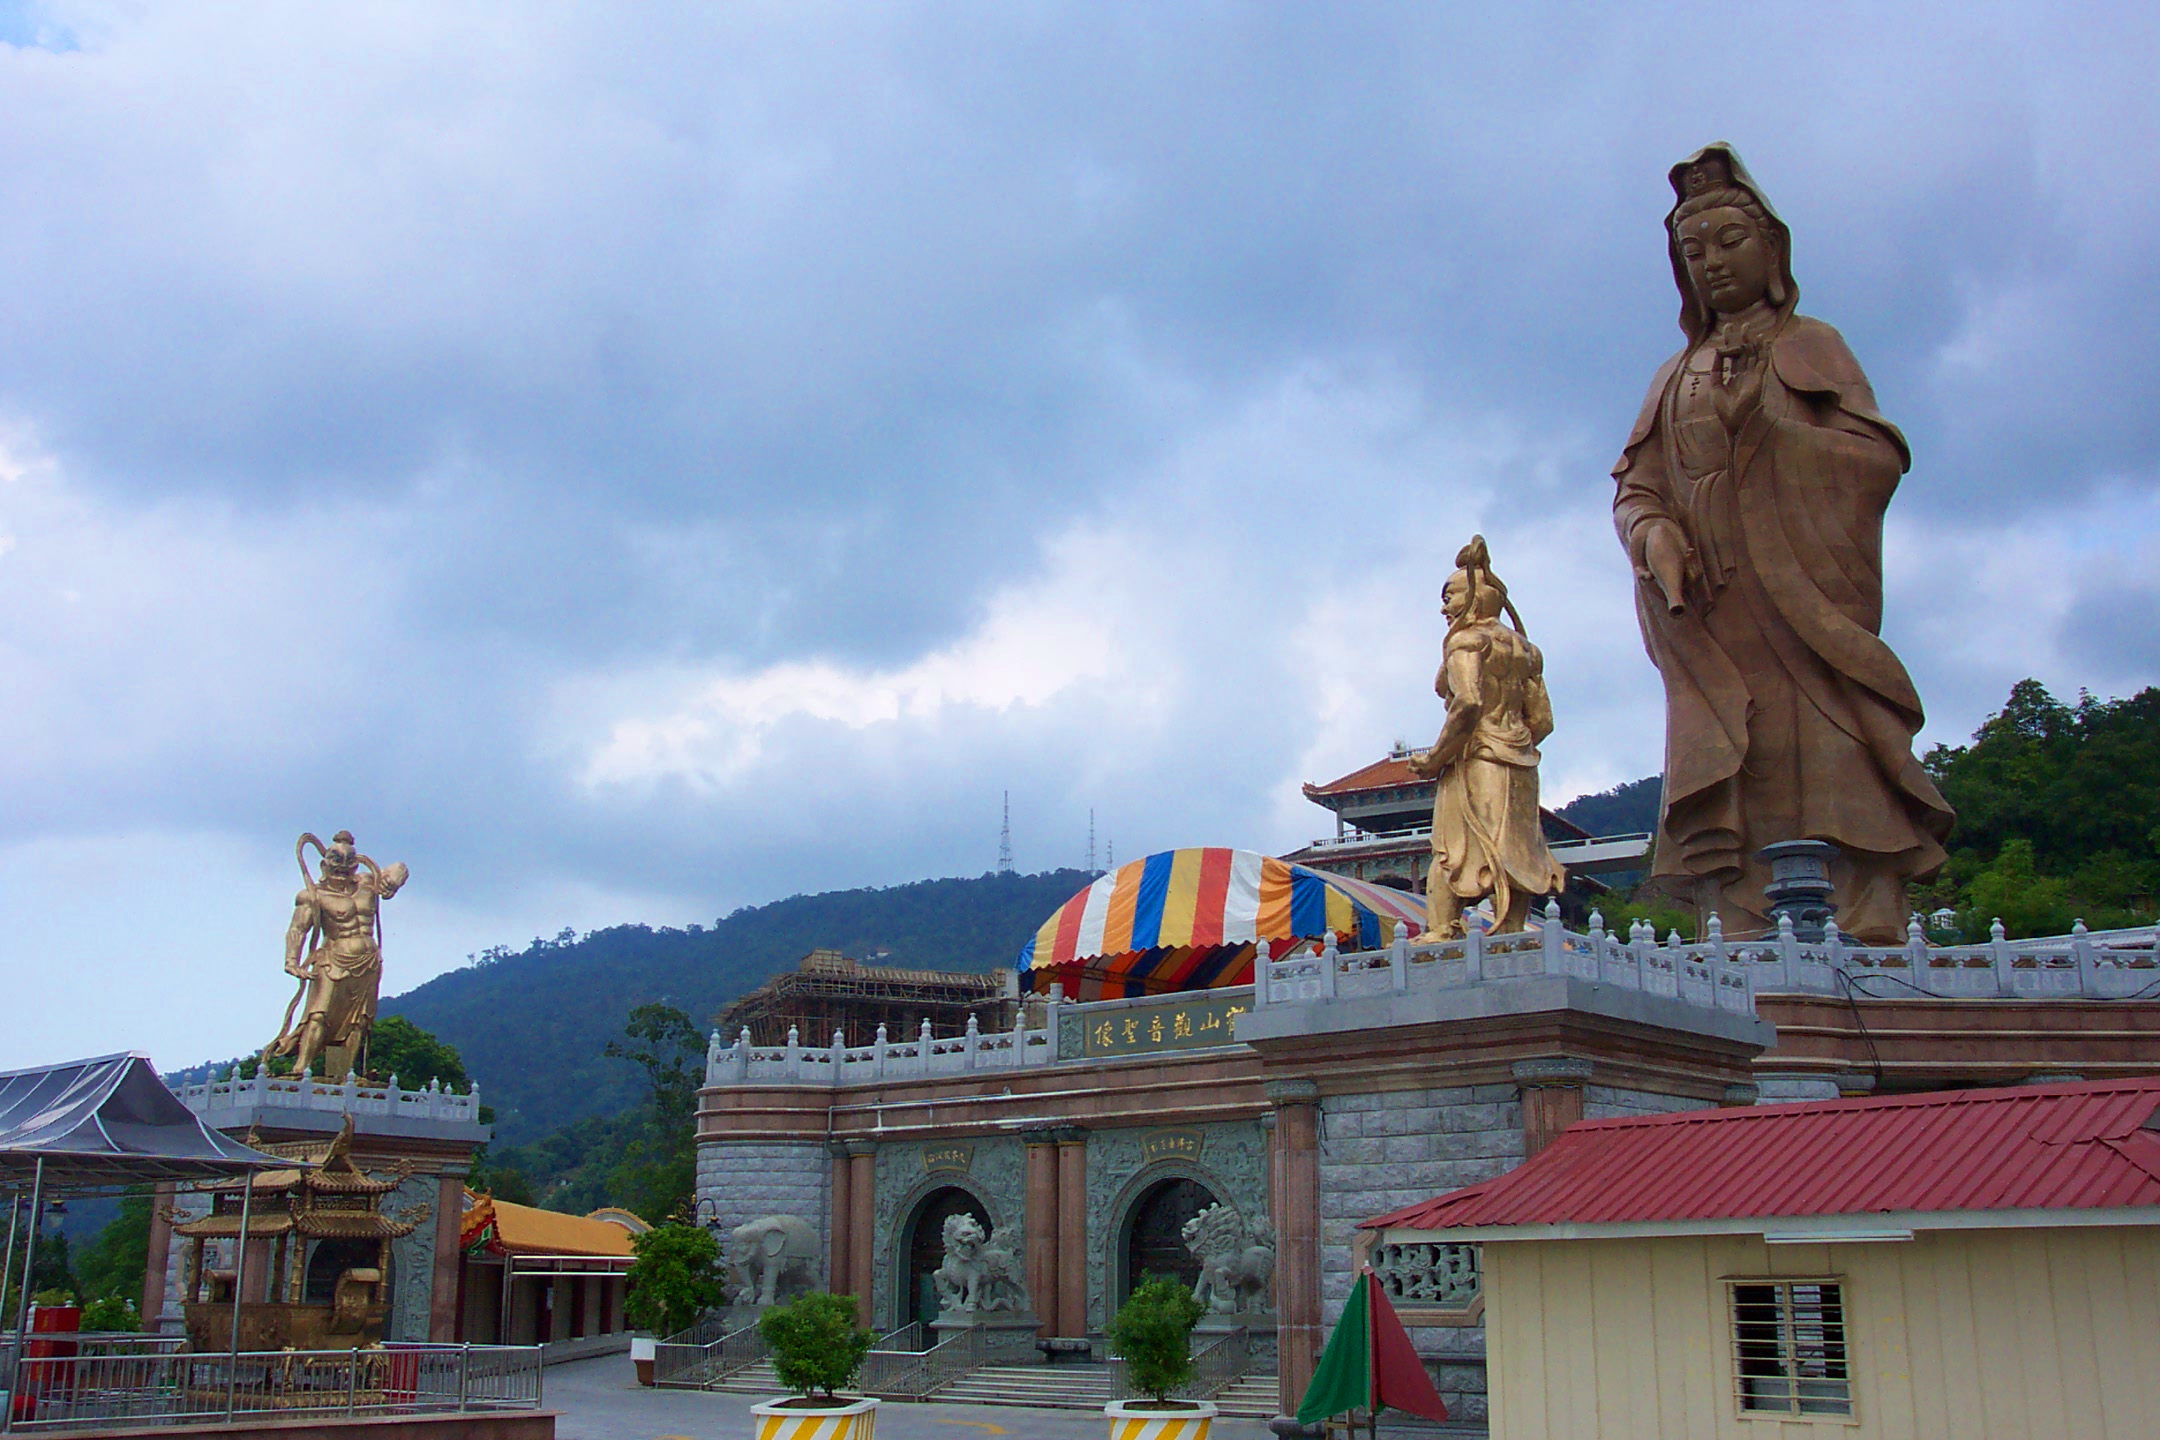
x: 839, y: 1063
x: 1713, y: 973
x: 351, y: 1096
x: 1727, y: 975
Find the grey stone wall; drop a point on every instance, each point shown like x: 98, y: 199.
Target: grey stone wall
x: 1384, y: 1151
x: 746, y: 1180
x: 1605, y: 1102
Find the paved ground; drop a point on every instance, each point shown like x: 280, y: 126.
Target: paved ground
x: 600, y: 1399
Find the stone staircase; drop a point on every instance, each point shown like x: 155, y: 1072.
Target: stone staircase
x: 757, y: 1379
x: 1086, y: 1387
x: 1057, y: 1387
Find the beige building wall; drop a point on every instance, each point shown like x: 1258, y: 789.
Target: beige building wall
x: 2041, y: 1334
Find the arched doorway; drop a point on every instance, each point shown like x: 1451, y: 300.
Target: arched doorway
x: 1153, y: 1240
x: 926, y: 1248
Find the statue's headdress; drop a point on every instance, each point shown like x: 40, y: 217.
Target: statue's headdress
x: 1711, y: 176
x: 1474, y: 563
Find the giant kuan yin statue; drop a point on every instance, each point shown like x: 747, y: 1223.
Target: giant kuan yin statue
x: 1751, y: 498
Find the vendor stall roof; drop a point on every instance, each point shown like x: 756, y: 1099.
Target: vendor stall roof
x: 1189, y: 919
x: 109, y: 1121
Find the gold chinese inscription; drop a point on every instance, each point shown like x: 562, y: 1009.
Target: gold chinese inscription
x: 948, y: 1157
x: 1171, y: 1025
x: 1171, y: 1144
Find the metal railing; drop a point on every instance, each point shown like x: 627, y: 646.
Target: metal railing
x: 116, y: 1387
x: 1219, y: 1362
x: 690, y: 1364
x: 917, y: 1375
x: 891, y: 1359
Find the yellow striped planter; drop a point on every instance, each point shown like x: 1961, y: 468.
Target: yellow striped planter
x: 856, y: 1420
x: 1142, y: 1420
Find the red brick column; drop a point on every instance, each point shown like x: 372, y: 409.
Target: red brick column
x: 1042, y: 1227
x: 840, y: 1224
x: 1296, y: 1183
x: 153, y: 1296
x: 443, y: 1296
x: 1072, y: 1237
x: 862, y: 1224
x: 1552, y: 1098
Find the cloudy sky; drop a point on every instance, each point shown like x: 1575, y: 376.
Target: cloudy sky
x: 630, y: 462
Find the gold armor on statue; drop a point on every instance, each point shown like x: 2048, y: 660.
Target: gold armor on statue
x: 1486, y: 836
x: 334, y: 945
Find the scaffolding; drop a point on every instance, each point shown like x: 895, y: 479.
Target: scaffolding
x: 827, y: 992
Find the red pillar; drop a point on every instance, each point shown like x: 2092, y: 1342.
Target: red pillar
x: 1072, y: 1236
x: 1042, y: 1227
x: 840, y: 1227
x: 862, y: 1244
x: 1298, y: 1333
x: 449, y: 1221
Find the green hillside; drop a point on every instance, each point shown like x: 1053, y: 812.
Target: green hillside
x: 531, y: 1024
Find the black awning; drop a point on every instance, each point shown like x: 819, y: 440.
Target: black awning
x: 109, y: 1121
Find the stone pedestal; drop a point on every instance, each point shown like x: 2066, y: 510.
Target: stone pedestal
x: 1008, y: 1335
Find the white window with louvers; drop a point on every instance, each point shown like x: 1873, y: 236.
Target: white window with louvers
x: 1789, y: 1347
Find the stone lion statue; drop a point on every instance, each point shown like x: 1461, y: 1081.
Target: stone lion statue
x: 773, y: 1258
x: 1237, y: 1262
x: 978, y: 1273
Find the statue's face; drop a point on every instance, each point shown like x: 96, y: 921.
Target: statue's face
x: 1455, y: 596
x: 1728, y: 259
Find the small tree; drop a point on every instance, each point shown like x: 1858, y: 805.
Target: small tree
x: 111, y: 1314
x: 1152, y: 1334
x: 817, y: 1347
x: 674, y: 1279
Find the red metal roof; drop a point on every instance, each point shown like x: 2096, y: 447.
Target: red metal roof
x: 1383, y: 774
x: 2080, y: 1145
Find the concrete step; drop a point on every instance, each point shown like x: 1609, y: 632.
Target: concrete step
x: 752, y: 1379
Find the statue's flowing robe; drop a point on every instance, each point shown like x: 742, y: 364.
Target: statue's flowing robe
x: 1787, y: 717
x: 1487, y: 837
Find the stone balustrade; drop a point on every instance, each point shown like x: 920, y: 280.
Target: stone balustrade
x: 1727, y: 975
x: 222, y: 1102
x: 924, y: 1055
x: 1713, y: 973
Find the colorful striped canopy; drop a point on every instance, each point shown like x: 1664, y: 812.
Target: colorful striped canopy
x: 1189, y: 920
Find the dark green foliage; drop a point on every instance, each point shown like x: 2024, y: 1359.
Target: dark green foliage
x: 1630, y: 809
x: 400, y: 1048
x: 817, y: 1347
x: 111, y: 1266
x: 2058, y: 815
x: 532, y: 1026
x: 674, y: 1279
x: 111, y: 1314
x: 1152, y: 1334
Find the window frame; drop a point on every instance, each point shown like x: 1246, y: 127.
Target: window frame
x: 1831, y: 1344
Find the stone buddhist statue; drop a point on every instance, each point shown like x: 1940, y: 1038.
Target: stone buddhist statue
x: 1486, y: 838
x: 1751, y: 498
x: 334, y: 946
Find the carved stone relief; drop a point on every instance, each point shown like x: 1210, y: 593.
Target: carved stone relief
x: 1231, y: 1161
x: 909, y: 1172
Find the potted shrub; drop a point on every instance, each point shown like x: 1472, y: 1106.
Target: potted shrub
x: 817, y: 1351
x: 1152, y: 1334
x: 674, y: 1279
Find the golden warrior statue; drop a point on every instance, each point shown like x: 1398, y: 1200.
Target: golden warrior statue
x: 1486, y: 838
x: 334, y: 945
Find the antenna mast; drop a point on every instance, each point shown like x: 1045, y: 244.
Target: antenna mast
x: 1091, y: 842
x: 1005, y: 838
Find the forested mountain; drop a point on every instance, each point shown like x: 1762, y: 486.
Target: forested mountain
x: 1630, y: 809
x: 531, y: 1024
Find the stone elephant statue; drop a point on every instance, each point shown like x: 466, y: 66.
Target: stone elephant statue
x: 775, y: 1258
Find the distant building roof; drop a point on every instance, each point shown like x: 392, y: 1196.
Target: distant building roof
x: 2081, y: 1146
x: 1383, y: 774
x: 1393, y: 772
x: 509, y: 1229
